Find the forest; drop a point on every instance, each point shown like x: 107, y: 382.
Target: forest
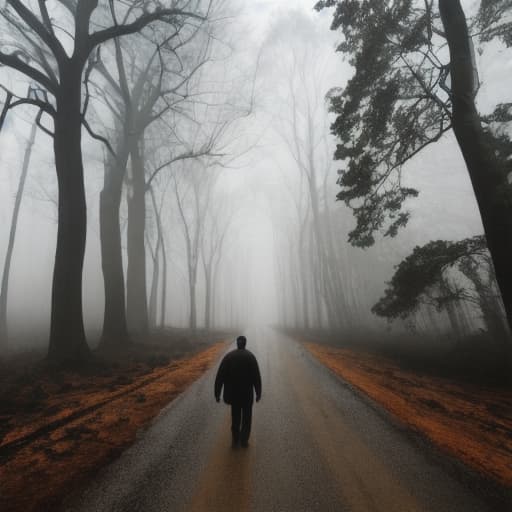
x: 175, y: 173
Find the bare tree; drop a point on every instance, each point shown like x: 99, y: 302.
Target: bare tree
x: 139, y: 95
x: 159, y: 258
x: 33, y: 45
x: 303, y: 128
x: 213, y: 242
x: 192, y: 190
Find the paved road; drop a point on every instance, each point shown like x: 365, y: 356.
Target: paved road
x: 316, y: 446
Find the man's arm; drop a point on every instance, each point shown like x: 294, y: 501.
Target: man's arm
x: 219, y: 379
x: 257, y: 380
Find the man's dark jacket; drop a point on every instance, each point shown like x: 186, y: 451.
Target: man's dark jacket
x: 239, y: 374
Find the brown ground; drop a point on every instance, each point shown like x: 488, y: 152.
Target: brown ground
x: 472, y: 423
x: 57, y: 428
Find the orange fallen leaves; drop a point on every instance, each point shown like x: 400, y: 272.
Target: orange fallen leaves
x: 40, y: 473
x: 468, y: 422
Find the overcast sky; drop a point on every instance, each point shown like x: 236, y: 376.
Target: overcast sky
x: 445, y: 208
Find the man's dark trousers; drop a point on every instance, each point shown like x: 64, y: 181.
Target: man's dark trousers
x: 241, y: 416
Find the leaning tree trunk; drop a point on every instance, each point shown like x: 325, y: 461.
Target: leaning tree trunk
x: 115, y: 330
x: 137, y: 309
x: 488, y: 177
x: 12, y: 236
x: 67, y: 335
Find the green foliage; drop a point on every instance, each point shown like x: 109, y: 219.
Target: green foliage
x: 391, y: 108
x: 421, y: 278
x: 397, y: 102
x: 495, y: 20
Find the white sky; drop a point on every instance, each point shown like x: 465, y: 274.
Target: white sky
x: 445, y: 208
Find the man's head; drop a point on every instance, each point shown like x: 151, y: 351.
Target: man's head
x: 241, y: 341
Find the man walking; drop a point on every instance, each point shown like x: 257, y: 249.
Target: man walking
x: 239, y: 374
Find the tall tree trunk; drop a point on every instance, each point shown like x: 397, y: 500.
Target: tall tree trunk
x: 302, y: 257
x: 336, y: 269
x: 451, y: 311
x: 12, y: 236
x: 492, y: 310
x: 153, y: 294
x: 192, y: 323
x: 304, y: 289
x: 489, y: 180
x: 115, y: 330
x: 164, y: 284
x: 67, y: 335
x: 208, y: 294
x: 315, y: 277
x: 323, y: 265
x: 295, y: 286
x: 136, y: 299
x: 214, y: 283
x: 153, y: 297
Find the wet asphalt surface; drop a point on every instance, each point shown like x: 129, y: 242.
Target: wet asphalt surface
x: 316, y: 445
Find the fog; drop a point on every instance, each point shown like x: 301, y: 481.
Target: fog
x: 257, y: 110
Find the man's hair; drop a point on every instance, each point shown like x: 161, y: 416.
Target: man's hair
x: 241, y: 341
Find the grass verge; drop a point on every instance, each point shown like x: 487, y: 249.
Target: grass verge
x: 469, y: 422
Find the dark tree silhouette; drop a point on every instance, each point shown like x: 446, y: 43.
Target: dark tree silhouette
x: 441, y: 273
x: 398, y: 102
x: 32, y: 45
x: 422, y: 271
x: 161, y: 92
x: 495, y: 20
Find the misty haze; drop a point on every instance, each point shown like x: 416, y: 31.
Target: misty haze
x: 255, y: 255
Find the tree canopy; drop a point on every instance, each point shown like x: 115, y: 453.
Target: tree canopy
x: 421, y: 278
x: 397, y: 102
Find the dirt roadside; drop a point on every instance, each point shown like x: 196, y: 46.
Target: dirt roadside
x: 470, y: 423
x: 58, y: 429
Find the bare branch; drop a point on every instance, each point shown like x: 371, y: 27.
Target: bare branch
x: 184, y: 156
x: 92, y: 61
x: 41, y: 51
x: 42, y: 104
x: 5, y: 108
x: 47, y: 36
x: 13, y: 61
x: 97, y: 136
x: 142, y: 21
x: 41, y: 126
x: 46, y: 17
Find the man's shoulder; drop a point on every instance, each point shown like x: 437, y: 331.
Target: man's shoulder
x: 249, y: 355
x: 229, y: 355
x: 239, y: 353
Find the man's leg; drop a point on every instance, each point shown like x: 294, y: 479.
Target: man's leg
x: 246, y: 423
x: 236, y: 416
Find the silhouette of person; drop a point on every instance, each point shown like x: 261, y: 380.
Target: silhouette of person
x: 239, y: 374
